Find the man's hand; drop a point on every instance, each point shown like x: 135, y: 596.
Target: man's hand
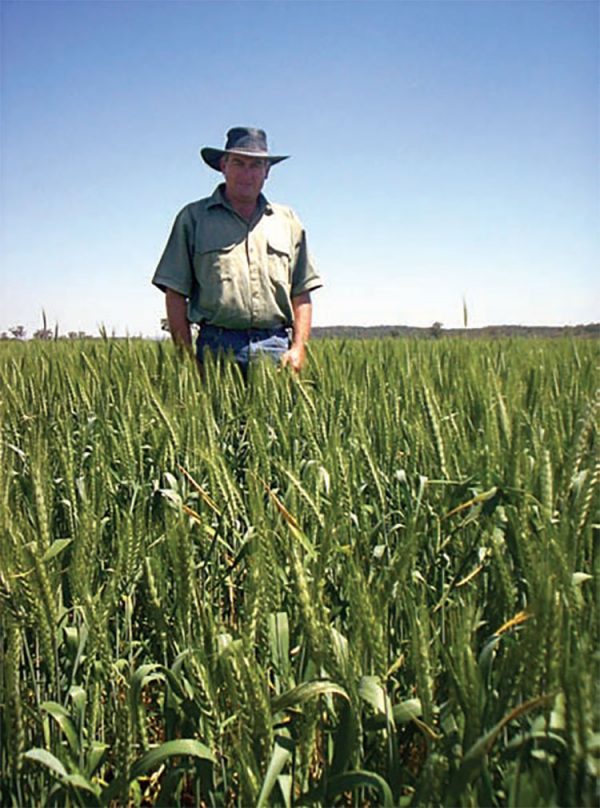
x: 294, y: 357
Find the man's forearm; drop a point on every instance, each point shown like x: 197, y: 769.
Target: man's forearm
x: 177, y: 317
x: 302, y: 307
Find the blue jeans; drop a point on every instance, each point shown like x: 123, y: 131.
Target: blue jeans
x: 245, y: 345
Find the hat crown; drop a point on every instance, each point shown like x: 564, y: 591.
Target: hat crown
x: 247, y: 139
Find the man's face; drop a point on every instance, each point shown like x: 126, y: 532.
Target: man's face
x: 244, y: 177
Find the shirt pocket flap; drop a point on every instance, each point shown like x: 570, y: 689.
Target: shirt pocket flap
x: 278, y: 241
x: 214, y: 243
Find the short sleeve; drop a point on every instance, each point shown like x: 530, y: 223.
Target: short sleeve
x: 305, y: 277
x: 175, y: 268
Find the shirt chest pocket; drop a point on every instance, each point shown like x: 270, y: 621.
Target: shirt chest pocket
x: 216, y: 267
x: 279, y: 259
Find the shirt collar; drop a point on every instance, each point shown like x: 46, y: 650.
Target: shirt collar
x: 218, y: 198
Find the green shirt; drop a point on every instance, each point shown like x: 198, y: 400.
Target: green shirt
x: 237, y: 274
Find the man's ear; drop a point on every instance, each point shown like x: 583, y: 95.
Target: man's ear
x: 222, y: 162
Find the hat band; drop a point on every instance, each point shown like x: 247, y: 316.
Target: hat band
x: 246, y: 150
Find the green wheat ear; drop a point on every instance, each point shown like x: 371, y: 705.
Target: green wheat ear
x: 13, y: 702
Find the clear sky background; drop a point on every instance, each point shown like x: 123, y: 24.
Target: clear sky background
x: 440, y: 150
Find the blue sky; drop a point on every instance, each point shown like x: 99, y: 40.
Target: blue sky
x: 439, y: 150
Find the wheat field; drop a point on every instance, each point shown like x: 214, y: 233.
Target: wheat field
x: 374, y: 584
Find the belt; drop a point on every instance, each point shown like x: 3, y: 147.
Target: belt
x: 247, y: 332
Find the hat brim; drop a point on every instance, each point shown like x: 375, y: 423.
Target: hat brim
x: 212, y: 157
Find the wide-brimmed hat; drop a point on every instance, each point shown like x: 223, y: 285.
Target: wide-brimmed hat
x: 241, y: 140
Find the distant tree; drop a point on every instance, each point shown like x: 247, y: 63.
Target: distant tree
x: 3, y: 335
x: 18, y: 331
x: 43, y: 333
x: 436, y: 329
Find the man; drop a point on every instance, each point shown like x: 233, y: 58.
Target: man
x: 238, y: 265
